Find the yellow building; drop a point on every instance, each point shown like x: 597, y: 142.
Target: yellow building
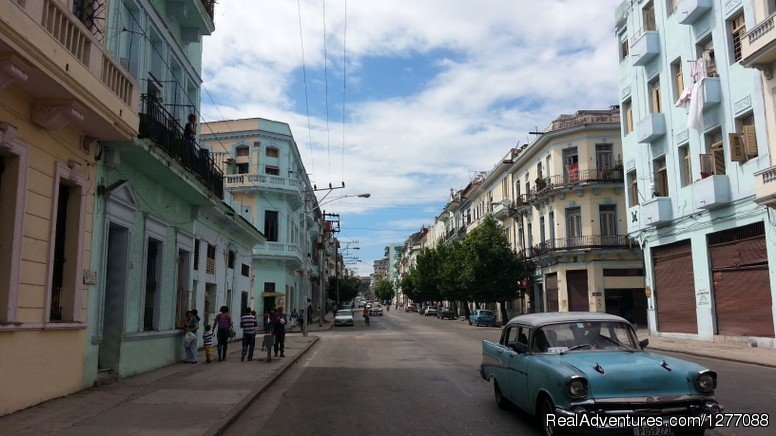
x: 569, y: 217
x: 60, y: 93
x: 758, y: 50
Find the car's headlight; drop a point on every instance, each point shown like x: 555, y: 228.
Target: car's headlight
x: 576, y: 387
x: 706, y: 381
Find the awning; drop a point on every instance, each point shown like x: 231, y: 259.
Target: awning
x: 272, y: 294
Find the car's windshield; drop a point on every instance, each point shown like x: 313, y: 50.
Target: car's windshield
x: 486, y: 312
x: 584, y: 336
x: 344, y: 312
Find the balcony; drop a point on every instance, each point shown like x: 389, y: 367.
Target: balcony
x: 161, y: 127
x: 522, y: 204
x: 195, y: 17
x: 549, y: 184
x: 71, y: 73
x: 711, y: 192
x: 650, y: 128
x: 589, y: 242
x: 279, y: 250
x: 690, y: 11
x: 765, y: 187
x: 501, y: 209
x: 645, y: 46
x: 712, y: 92
x: 656, y: 211
x: 758, y: 47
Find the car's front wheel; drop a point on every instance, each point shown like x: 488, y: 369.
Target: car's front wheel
x: 546, y: 408
x: 470, y: 322
x: 501, y: 401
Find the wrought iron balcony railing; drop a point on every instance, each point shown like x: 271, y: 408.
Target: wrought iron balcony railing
x: 157, y: 124
x: 558, y: 181
x: 578, y: 243
x: 209, y: 6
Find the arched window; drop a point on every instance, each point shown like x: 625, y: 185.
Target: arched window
x: 272, y: 152
x: 242, y: 151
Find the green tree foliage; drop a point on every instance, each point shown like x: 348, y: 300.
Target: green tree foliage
x: 451, y: 284
x: 409, y: 286
x: 383, y: 289
x: 428, y: 270
x: 348, y: 288
x: 491, y: 271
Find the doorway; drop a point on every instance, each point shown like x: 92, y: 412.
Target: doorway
x: 113, y: 301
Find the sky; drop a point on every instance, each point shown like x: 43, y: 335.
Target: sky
x: 406, y: 99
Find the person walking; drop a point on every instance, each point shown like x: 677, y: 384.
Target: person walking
x: 248, y: 325
x: 190, y: 337
x: 279, y: 331
x: 366, y: 315
x: 207, y: 337
x: 223, y: 323
x: 293, y: 318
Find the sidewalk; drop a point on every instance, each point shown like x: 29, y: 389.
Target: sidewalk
x: 716, y: 350
x: 176, y: 399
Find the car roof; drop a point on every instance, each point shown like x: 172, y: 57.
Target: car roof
x: 538, y: 319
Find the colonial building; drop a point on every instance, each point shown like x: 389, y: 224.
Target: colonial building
x: 265, y: 175
x: 694, y: 144
x: 568, y: 207
x: 61, y: 93
x: 166, y: 239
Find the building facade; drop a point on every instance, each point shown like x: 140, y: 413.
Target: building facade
x: 569, y: 218
x: 694, y: 137
x: 61, y: 92
x: 264, y: 173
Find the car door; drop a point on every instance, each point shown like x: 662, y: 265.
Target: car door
x: 518, y: 367
x: 504, y: 355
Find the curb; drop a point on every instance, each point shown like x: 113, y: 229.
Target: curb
x: 710, y: 356
x: 219, y: 428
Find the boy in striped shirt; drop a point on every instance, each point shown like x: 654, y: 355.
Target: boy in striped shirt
x: 208, y: 345
x: 248, y: 324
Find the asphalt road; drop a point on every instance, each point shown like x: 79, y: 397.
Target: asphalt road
x: 409, y: 374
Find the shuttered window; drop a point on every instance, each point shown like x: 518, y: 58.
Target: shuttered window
x: 551, y: 291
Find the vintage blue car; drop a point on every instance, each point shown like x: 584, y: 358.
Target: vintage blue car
x: 566, y: 368
x: 482, y: 317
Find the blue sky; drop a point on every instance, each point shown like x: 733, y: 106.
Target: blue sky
x: 434, y: 90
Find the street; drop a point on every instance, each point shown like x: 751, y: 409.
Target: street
x: 408, y: 374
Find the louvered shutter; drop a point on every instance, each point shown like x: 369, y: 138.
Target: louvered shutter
x: 750, y: 140
x: 737, y: 150
x: 674, y: 288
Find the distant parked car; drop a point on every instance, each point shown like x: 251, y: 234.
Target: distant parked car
x: 344, y: 317
x: 376, y: 311
x: 412, y: 307
x: 430, y: 311
x: 445, y: 312
x: 482, y: 317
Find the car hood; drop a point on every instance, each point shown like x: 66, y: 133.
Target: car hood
x: 637, y: 374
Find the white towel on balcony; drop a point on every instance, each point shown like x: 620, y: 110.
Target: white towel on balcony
x: 692, y: 96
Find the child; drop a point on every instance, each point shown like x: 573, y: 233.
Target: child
x: 208, y: 345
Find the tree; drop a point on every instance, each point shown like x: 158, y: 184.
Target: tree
x: 450, y: 280
x: 491, y: 270
x: 408, y: 285
x: 428, y: 269
x: 383, y: 289
x: 348, y: 288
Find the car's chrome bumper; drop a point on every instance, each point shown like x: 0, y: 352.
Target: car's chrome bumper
x: 666, y: 406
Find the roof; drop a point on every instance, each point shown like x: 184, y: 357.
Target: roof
x: 539, y: 319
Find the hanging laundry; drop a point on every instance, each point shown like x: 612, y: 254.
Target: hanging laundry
x: 692, y: 96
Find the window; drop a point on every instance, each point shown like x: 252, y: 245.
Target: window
x: 706, y: 51
x: 13, y: 174
x: 272, y: 170
x: 624, y: 272
x: 654, y: 96
x: 210, y: 262
x: 686, y: 165
x: 242, y: 151
x: 745, y: 138
x: 272, y: 152
x: 771, y: 7
x: 196, y: 254
x: 713, y: 162
x: 573, y: 225
x: 539, y: 170
x: 542, y: 235
x: 245, y: 270
x: 571, y: 164
x: 269, y: 287
x: 633, y: 188
x: 671, y: 6
x: 230, y: 260
x: 530, y: 235
x: 604, y: 159
x: 607, y: 214
x: 676, y: 73
x: 624, y: 48
x: 648, y: 17
x: 66, y: 242
x: 153, y: 282
x: 243, y: 168
x: 271, y: 225
x: 627, y: 117
x: 661, y: 177
x: 737, y: 33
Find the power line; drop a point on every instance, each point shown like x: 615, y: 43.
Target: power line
x: 344, y: 86
x: 326, y: 89
x: 304, y: 77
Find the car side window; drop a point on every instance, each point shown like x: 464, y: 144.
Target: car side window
x: 523, y: 333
